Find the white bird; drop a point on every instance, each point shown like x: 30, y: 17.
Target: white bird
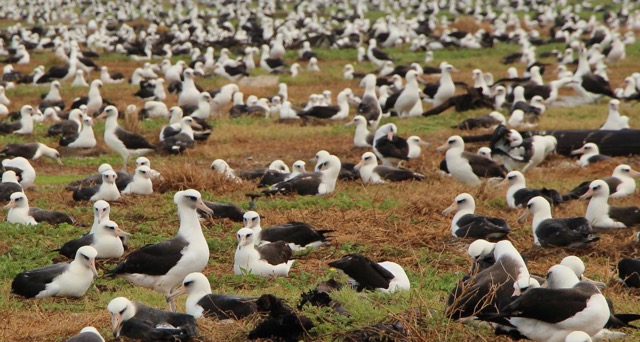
x: 25, y: 170
x: 79, y: 80
x: 141, y: 183
x: 123, y: 142
x: 273, y: 259
x: 614, y: 120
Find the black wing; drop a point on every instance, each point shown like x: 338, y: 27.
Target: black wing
x: 10, y: 127
x: 223, y: 210
x: 481, y: 227
x: 50, y: 216
x: 70, y: 248
x: 396, y: 174
x: 523, y: 196
x: 366, y: 272
x: 302, y: 185
x: 85, y: 194
x: 484, y: 167
x: 320, y: 112
x: 133, y: 141
x: 564, y: 232
x: 271, y: 177
x: 228, y: 306
x: 155, y: 259
x: 6, y: 189
x: 395, y: 148
x: 596, y: 84
x: 369, y: 108
x: 146, y: 331
x: 548, y: 305
x: 300, y: 233
x: 30, y: 283
x: 630, y: 216
x: 66, y: 127
x: 275, y: 253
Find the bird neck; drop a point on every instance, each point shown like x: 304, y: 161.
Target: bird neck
x: 190, y: 228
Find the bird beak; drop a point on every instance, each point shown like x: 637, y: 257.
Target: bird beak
x: 312, y: 160
x: 390, y: 136
x: 93, y: 267
x: 359, y: 165
x: 523, y: 218
x: 451, y: 208
x: 116, y: 321
x: 578, y: 151
x: 103, y: 115
x: 11, y: 204
x: 598, y: 284
x: 120, y: 232
x: 503, y: 183
x: 443, y: 147
x: 101, y: 214
x: 59, y: 161
x: 181, y: 290
x: 634, y: 173
x: 350, y: 123
x: 195, y: 125
x: 423, y: 143
x: 587, y: 194
x: 200, y: 205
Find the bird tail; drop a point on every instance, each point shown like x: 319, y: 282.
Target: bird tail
x: 576, y: 192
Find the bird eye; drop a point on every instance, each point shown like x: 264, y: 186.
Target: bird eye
x: 529, y: 205
x: 123, y: 310
x: 187, y: 283
x: 460, y: 201
x: 451, y: 141
x: 111, y: 227
x: 86, y: 257
x: 249, y: 235
x: 511, y: 177
x: 596, y: 187
x: 193, y: 198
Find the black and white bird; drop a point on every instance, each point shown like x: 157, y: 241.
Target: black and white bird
x: 362, y: 136
x: 543, y: 314
x: 20, y: 212
x: 590, y: 154
x: 122, y: 179
x: 84, y: 139
x: 140, y: 322
x: 602, y: 215
x: 107, y: 190
x: 491, y: 289
x: 183, y: 138
x: 9, y: 185
x: 87, y: 334
x: 125, y: 143
x: 163, y: 266
x: 24, y: 126
x: 518, y: 195
x: 629, y: 272
x: 269, y: 260
x: 298, y: 235
x: 321, y: 182
x: 31, y: 151
x: 371, y: 172
x: 467, y: 224
x: 406, y: 103
x: 587, y: 84
x: 23, y: 169
x: 365, y: 274
x: 369, y: 106
x: 60, y: 280
x: 621, y: 183
x: 466, y: 167
x: 375, y: 55
x: 556, y: 232
x: 67, y: 127
x: 141, y: 182
x: 202, y: 303
x: 388, y: 146
x: 105, y: 238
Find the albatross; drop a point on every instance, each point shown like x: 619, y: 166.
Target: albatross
x: 31, y: 151
x: 298, y: 235
x: 518, y: 195
x: 140, y: 322
x: 60, y: 280
x: 467, y: 224
x: 371, y: 172
x: 556, y: 232
x: 270, y: 260
x: 467, y: 167
x: 107, y: 190
x: 590, y: 154
x: 125, y: 143
x: 202, y: 303
x: 321, y: 182
x: 602, y: 215
x: 365, y: 274
x: 20, y: 212
x: 163, y: 266
x: 105, y: 238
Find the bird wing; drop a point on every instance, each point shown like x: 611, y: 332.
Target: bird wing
x: 275, y: 253
x: 155, y: 259
x: 70, y: 248
x: 395, y: 148
x: 132, y: 141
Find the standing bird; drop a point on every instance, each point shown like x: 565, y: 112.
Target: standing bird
x: 407, y: 102
x: 163, y: 266
x: 123, y: 142
x: 202, y: 303
x: 140, y: 322
x: 467, y: 224
x: 60, y: 280
x: 369, y: 107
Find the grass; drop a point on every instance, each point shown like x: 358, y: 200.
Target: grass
x: 397, y: 222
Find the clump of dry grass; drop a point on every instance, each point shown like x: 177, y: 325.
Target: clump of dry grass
x: 188, y: 176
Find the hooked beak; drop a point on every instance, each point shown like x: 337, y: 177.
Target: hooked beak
x: 587, y: 194
x: 116, y: 321
x: 101, y: 214
x: 93, y: 267
x: 634, y: 173
x: 200, y: 205
x: 449, y: 209
x: 120, y: 232
x: 423, y: 143
x: 390, y: 136
x: 11, y: 204
x: 350, y: 123
x: 503, y: 183
x: 443, y: 147
x: 181, y: 290
x: 195, y: 125
x: 523, y: 218
x: 578, y: 151
x: 102, y: 115
x: 359, y: 165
